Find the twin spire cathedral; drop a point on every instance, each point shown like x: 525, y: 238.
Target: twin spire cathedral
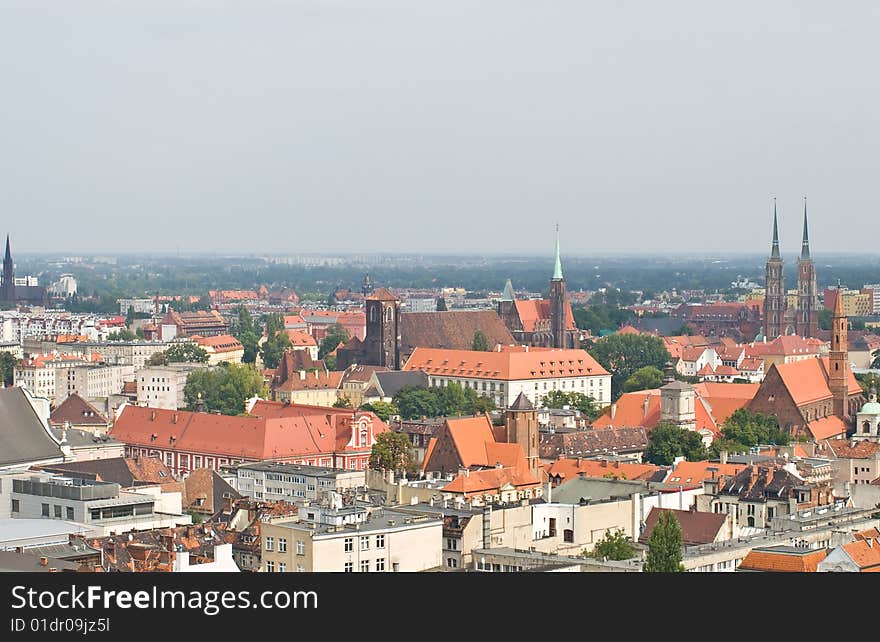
x: 779, y: 317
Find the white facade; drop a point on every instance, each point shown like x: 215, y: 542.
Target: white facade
x: 162, y: 386
x: 15, y: 326
x: 65, y: 286
x: 142, y: 306
x: 504, y: 393
x: 91, y: 381
x: 691, y: 368
x: 40, y: 379
x: 223, y: 562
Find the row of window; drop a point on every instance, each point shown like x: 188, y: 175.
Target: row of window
x: 348, y: 567
x: 348, y: 543
x: 269, y: 545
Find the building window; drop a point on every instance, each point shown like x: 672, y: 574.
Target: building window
x: 349, y: 567
x: 282, y: 545
x: 270, y: 567
x: 16, y: 506
x: 451, y: 543
x: 365, y: 543
x: 69, y: 513
x: 57, y: 509
x: 365, y: 566
x: 568, y: 535
x: 380, y: 564
x: 349, y: 544
x: 300, y: 568
x: 270, y: 543
x: 282, y: 567
x: 45, y: 510
x: 380, y: 541
x: 451, y: 562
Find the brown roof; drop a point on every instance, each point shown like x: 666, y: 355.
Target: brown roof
x: 125, y: 471
x: 382, y: 294
x: 204, y: 491
x: 453, y: 330
x: 696, y: 527
x: 78, y: 412
x: 843, y: 449
x: 491, y: 481
x: 593, y: 442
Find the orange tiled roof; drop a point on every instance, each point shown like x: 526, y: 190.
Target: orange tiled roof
x: 505, y: 365
x: 782, y: 562
x: 530, y: 311
x: 315, y: 380
x: 219, y: 343
x: 695, y: 472
x: 300, y: 338
x: 843, y: 449
x: 491, y: 481
x: 807, y: 380
x: 865, y: 553
x: 630, y: 410
x: 826, y: 427
x: 871, y: 533
x: 628, y: 329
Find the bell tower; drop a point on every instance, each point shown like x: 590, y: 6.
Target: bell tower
x: 807, y: 315
x: 838, y: 360
x: 774, y: 295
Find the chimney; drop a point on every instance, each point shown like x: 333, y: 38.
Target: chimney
x: 613, y: 409
x: 647, y: 402
x: 722, y: 456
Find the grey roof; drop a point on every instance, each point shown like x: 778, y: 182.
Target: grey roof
x: 54, y: 530
x: 77, y: 438
x: 594, y: 490
x: 508, y: 295
x: 393, y: 381
x: 23, y: 438
x: 522, y: 403
x: 677, y: 385
x: 12, y: 562
x: 301, y: 469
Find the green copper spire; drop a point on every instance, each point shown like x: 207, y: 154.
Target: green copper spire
x: 805, y: 244
x: 557, y: 269
x: 774, y: 254
x: 507, y: 295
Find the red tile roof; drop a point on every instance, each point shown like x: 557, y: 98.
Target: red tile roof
x: 78, y: 412
x: 827, y: 427
x: 315, y: 380
x: 299, y: 338
x: 566, y: 469
x: 865, y: 553
x: 219, y: 343
x: 530, y: 311
x: 693, y: 473
x: 843, y: 449
x: 505, y: 365
x: 491, y: 481
x: 807, y: 380
x: 382, y: 294
x: 782, y: 561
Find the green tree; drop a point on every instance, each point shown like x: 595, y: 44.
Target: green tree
x: 8, y: 363
x: 276, y: 342
x: 613, y: 546
x: 441, y: 305
x: 247, y: 334
x: 382, y: 409
x: 224, y: 389
x: 342, y: 402
x: 336, y: 334
x: 744, y: 429
x: 122, y: 335
x: 664, y: 546
x: 330, y: 362
x: 601, y: 317
x: 139, y: 332
x: 392, y: 451
x: 666, y: 441
x: 186, y: 353
x: 129, y: 316
x: 825, y: 319
x: 623, y: 354
x: 416, y: 402
x: 560, y: 398
x: 875, y: 364
x: 646, y: 378
x: 685, y: 330
x: 480, y: 342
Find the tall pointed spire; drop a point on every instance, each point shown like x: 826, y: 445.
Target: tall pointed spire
x: 774, y: 254
x: 507, y: 295
x: 557, y: 269
x: 805, y: 244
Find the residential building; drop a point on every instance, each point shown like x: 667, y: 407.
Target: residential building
x: 384, y: 385
x: 124, y: 353
x: 854, y: 463
x: 696, y: 527
x: 162, y: 386
x: 315, y: 387
x: 628, y: 442
x: 37, y: 373
x: 185, y: 324
x: 859, y: 556
x: 102, y: 507
x: 274, y: 481
x: 221, y: 348
x: 138, y: 306
x: 386, y: 541
x: 505, y: 373
x: 75, y: 412
x: 90, y: 381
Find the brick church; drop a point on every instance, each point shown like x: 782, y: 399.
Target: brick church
x: 779, y: 318
x: 12, y: 293
x: 541, y: 322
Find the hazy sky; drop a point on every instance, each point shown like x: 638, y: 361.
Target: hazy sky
x: 437, y: 126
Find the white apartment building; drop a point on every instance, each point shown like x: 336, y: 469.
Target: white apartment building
x: 142, y: 306
x: 91, y: 381
x: 132, y: 353
x: 162, y: 386
x: 38, y: 374
x: 504, y: 373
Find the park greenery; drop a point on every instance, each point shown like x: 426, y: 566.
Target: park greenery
x: 446, y: 401
x: 623, y: 355
x: 223, y: 389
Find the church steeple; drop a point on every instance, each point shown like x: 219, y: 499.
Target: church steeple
x: 805, y: 244
x: 774, y: 252
x: 557, y: 268
x: 7, y: 292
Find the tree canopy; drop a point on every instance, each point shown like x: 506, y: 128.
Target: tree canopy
x: 122, y: 335
x: 276, y: 341
x: 646, y: 378
x: 179, y: 353
x: 664, y: 546
x: 392, y: 451
x: 481, y: 342
x: 382, y: 409
x: 666, y: 441
x: 445, y: 401
x: 744, y: 429
x: 560, y: 398
x: 224, y: 389
x: 614, y: 545
x: 248, y: 334
x: 8, y: 363
x: 336, y: 334
x: 624, y: 354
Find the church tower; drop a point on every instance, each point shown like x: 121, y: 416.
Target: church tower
x: 558, y: 301
x: 521, y: 420
x: 383, y: 334
x: 7, y: 292
x: 774, y: 296
x: 807, y: 316
x: 838, y: 360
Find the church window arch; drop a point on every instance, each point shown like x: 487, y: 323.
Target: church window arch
x: 373, y: 313
x: 389, y: 314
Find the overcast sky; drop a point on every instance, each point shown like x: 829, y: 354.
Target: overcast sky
x: 437, y: 125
